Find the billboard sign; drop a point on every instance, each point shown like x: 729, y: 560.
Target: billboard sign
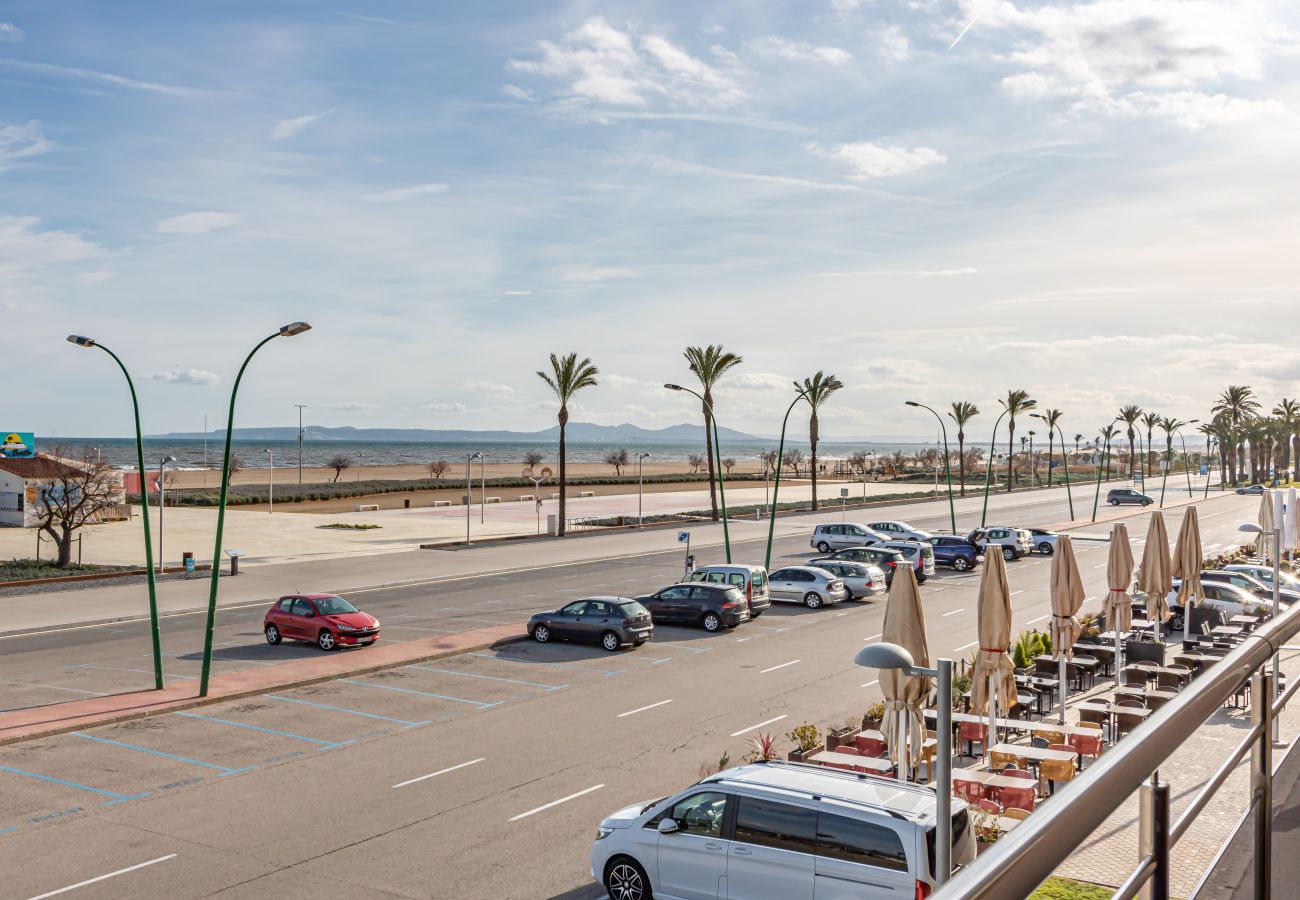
x: 17, y: 445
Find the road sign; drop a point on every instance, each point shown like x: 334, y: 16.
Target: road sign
x: 1205, y: 470
x: 844, y: 492
x: 683, y: 537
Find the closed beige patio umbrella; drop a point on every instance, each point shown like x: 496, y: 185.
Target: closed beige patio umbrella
x: 993, y: 681
x: 1156, y: 579
x: 1187, y: 564
x: 1118, y: 605
x: 1067, y: 596
x: 1266, y: 523
x: 905, y: 695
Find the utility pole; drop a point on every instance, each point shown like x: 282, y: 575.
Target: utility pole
x: 301, y: 407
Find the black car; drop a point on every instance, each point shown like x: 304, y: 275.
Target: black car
x: 1116, y: 496
x: 888, y: 560
x: 612, y: 622
x: 958, y: 552
x: 711, y: 606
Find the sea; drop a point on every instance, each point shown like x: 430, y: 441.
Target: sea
x: 195, y: 454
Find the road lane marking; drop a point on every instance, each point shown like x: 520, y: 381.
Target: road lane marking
x: 870, y: 683
x: 54, y: 687
x: 224, y: 770
x: 81, y: 884
x: 633, y: 712
x: 873, y: 637
x: 350, y: 712
x: 549, y: 687
x: 419, y: 628
x: 594, y: 787
x: 1013, y: 593
x: 1102, y: 566
x: 965, y: 647
x: 117, y: 798
x: 554, y: 665
x: 759, y: 725
x: 1039, y: 619
x: 953, y: 613
x: 440, y: 772
x: 401, y: 690
x: 782, y: 666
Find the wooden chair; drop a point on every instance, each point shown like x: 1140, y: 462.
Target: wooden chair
x: 990, y: 806
x: 1013, y: 812
x: 1047, y: 734
x: 1054, y: 770
x: 999, y: 760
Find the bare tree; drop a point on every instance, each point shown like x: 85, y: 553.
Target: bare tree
x: 793, y: 460
x: 437, y: 469
x: 768, y: 460
x: 338, y: 463
x: 72, y: 495
x: 857, y: 462
x: 617, y: 459
x: 695, y: 461
x: 235, y: 464
x: 728, y: 464
x: 533, y: 457
x: 897, y: 461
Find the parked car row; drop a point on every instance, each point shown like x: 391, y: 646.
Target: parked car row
x: 1233, y: 592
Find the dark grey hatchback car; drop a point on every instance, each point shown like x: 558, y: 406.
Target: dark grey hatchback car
x: 1116, y: 496
x: 612, y: 622
x: 710, y: 606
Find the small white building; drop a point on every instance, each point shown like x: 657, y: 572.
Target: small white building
x: 21, y: 481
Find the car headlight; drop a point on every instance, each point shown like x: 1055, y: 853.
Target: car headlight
x: 602, y: 833
x: 348, y: 628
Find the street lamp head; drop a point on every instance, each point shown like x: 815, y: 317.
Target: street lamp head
x: 478, y: 454
x: 1250, y: 528
x: 168, y: 459
x: 81, y: 341
x: 911, y: 403
x: 294, y: 328
x: 884, y: 656
x: 644, y: 456
x: 673, y: 387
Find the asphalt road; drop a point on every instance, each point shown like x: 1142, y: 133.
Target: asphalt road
x: 482, y: 775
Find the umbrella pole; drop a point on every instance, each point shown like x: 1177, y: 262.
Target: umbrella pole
x: 902, y: 746
x: 993, y: 716
x: 1060, y: 675
x: 1119, y: 652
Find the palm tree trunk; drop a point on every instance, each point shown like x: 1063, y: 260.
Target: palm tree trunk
x: 961, y: 461
x: 1011, y: 454
x: 1050, y: 447
x: 812, y: 440
x: 564, y: 418
x: 708, y: 450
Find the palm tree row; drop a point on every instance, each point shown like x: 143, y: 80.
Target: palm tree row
x: 1267, y: 443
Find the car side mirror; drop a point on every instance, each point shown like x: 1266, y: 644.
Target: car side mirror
x: 669, y: 826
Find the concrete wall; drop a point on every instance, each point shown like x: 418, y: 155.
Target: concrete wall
x: 12, y: 502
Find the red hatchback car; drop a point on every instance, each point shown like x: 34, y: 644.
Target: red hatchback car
x: 324, y: 619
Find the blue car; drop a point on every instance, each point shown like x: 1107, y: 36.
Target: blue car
x: 959, y: 553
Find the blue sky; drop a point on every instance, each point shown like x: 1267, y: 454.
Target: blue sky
x: 1092, y: 201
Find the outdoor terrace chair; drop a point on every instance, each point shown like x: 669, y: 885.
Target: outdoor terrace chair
x: 1086, y: 745
x: 973, y: 733
x: 1135, y: 676
x: 1047, y: 734
x: 970, y: 791
x: 869, y: 746
x: 1054, y: 770
x: 999, y: 760
x: 1021, y: 798
x: 1093, y: 717
x: 991, y: 806
x: 1170, y: 680
x: 1015, y: 812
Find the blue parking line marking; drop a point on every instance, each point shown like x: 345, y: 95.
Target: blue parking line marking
x: 579, y: 667
x: 351, y: 712
x: 117, y: 798
x: 388, y: 687
x: 549, y: 687
x: 324, y: 745
x: 224, y: 770
x: 9, y: 829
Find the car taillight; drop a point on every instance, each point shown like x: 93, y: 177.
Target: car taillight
x: 922, y: 890
x: 728, y: 604
x: 892, y: 563
x: 749, y: 591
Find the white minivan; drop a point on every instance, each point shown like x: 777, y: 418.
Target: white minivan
x: 778, y: 830
x: 752, y: 580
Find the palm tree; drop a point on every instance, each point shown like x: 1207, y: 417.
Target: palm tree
x: 1211, y: 431
x: 962, y: 412
x: 708, y: 364
x: 1017, y: 402
x: 1288, y: 412
x: 1237, y: 404
x: 816, y: 390
x: 1130, y: 414
x: 1150, y: 420
x: 1077, y: 438
x: 1033, y: 464
x: 1107, y: 435
x: 1052, y: 417
x: 1169, y: 425
x: 566, y: 378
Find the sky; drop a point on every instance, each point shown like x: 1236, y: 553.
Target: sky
x: 933, y: 200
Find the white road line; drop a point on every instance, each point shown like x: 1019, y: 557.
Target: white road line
x: 80, y: 884
x: 782, y: 666
x: 1013, y: 593
x: 1039, y: 619
x: 440, y: 772
x: 594, y: 787
x: 953, y: 613
x: 759, y: 725
x: 633, y: 712
x: 870, y: 683
x: 964, y: 647
x: 873, y: 637
x: 1102, y: 566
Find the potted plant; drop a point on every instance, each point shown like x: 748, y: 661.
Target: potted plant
x: 874, y: 715
x: 761, y: 749
x: 841, y: 734
x: 961, y: 683
x: 807, y: 740
x: 987, y: 829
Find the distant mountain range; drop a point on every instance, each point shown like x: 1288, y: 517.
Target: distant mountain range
x: 583, y: 432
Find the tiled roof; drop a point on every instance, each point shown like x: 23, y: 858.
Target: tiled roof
x: 38, y: 468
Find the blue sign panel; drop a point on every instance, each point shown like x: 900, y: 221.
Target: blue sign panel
x: 17, y: 445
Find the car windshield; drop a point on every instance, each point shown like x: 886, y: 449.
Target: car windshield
x: 333, y: 606
x: 631, y: 608
x: 734, y: 595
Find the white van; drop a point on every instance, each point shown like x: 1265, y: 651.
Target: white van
x: 778, y: 830
x: 750, y: 579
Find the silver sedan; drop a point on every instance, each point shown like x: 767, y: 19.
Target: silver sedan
x: 861, y: 580
x: 806, y: 585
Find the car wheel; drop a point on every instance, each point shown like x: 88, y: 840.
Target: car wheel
x: 541, y: 634
x: 812, y: 600
x: 711, y: 622
x: 921, y: 578
x: 960, y: 564
x: 823, y: 547
x: 1146, y: 502
x: 273, y: 635
x: 625, y: 880
x: 1008, y: 554
x: 1113, y: 502
x: 754, y: 615
x: 609, y: 640
x: 848, y: 594
x: 1045, y: 548
x: 1175, y: 623
x: 325, y: 640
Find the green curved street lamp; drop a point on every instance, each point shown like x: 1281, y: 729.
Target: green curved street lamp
x: 1169, y: 461
x: 717, y: 457
x: 1065, y: 456
x: 1105, y: 455
x: 952, y: 510
x: 780, y: 452
x: 988, y: 472
x: 293, y: 328
x: 144, y: 514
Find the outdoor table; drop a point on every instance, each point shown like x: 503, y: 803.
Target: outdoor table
x: 1105, y: 655
x: 1230, y: 631
x: 874, y: 765
x: 1077, y: 730
x: 1197, y: 661
x: 1043, y: 688
x: 988, y: 779
x: 1009, y: 724
x: 1109, y: 710
x: 1036, y: 754
x: 1131, y: 693
x: 1248, y: 623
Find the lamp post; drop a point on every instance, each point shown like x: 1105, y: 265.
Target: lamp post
x: 469, y: 489
x: 717, y: 456
x: 144, y: 498
x: 482, y: 486
x: 952, y: 510
x: 1065, y: 458
x: 1276, y: 534
x: 1169, y: 460
x: 290, y: 330
x: 776, y: 487
x: 270, y: 481
x: 162, y: 504
x: 301, y: 435
x: 1105, y: 455
x: 891, y: 656
x: 639, y: 458
x: 988, y: 472
x: 1209, y: 463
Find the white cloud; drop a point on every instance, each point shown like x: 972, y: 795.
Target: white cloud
x: 351, y: 406
x: 93, y: 278
x: 517, y: 293
x: 675, y: 165
x: 595, y: 274
x: 1192, y: 110
x: 444, y: 407
x: 287, y: 128
x: 801, y: 51
x: 198, y: 223
x: 374, y: 20
x: 942, y: 273
x: 21, y: 142
x: 11, y: 33
x: 894, y: 45
x: 398, y: 195
x: 758, y: 381
x: 186, y: 376
x: 869, y: 160
x: 518, y: 93
x: 489, y: 387
x: 170, y: 90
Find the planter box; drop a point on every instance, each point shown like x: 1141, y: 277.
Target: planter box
x: 1207, y: 614
x: 836, y: 738
x: 871, y: 724
x: 1144, y: 651
x: 797, y: 755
